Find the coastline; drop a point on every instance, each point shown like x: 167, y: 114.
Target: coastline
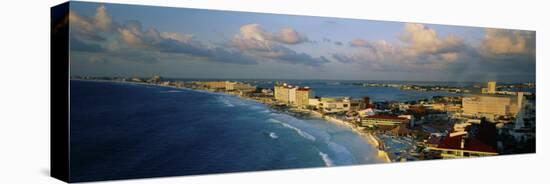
x: 367, y: 136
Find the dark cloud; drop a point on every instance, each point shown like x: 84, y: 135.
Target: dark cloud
x: 78, y: 45
x: 134, y: 55
x: 342, y: 58
x: 133, y: 44
x: 293, y: 57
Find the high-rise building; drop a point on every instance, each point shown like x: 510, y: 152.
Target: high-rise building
x: 292, y: 95
x: 282, y: 93
x: 489, y: 105
x: 302, y: 97
x: 491, y: 87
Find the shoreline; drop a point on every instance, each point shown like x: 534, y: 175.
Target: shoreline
x: 365, y: 135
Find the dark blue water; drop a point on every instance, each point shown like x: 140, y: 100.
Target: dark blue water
x: 121, y: 131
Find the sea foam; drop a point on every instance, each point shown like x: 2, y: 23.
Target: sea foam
x: 299, y: 131
x: 326, y: 159
x: 273, y: 135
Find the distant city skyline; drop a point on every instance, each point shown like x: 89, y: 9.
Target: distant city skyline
x: 122, y: 40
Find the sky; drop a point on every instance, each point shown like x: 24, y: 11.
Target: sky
x: 141, y: 41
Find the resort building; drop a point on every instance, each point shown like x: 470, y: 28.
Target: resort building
x: 282, y: 93
x: 292, y: 95
x: 371, y: 121
x: 314, y: 102
x: 356, y: 105
x: 473, y: 141
x: 302, y: 97
x: 334, y: 104
x: 442, y: 107
x: 491, y: 106
x: 491, y: 87
x: 229, y: 86
x: 215, y: 84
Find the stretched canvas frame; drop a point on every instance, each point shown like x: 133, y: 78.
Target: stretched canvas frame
x: 179, y: 91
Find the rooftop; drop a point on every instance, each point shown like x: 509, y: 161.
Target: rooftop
x: 480, y: 138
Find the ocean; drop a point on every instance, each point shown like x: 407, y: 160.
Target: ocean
x: 122, y: 131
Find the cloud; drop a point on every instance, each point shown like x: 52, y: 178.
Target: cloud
x: 343, y: 58
x: 254, y: 41
x: 78, y: 45
x: 419, y: 48
x: 420, y: 39
x: 102, y: 20
x: 451, y: 56
x: 128, y: 41
x: 503, y: 55
x: 83, y: 28
x: 507, y: 42
x: 359, y: 43
x: 290, y: 36
x: 286, y: 35
x: 184, y: 38
x: 129, y: 37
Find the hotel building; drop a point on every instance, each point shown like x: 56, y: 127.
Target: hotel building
x: 282, y: 93
x: 302, y: 97
x: 491, y: 87
x: 491, y: 106
x: 215, y: 84
x: 371, y: 121
x: 293, y: 95
x: 229, y: 86
x: 334, y: 104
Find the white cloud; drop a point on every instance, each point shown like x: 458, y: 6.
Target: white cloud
x: 129, y: 37
x: 80, y: 23
x: 420, y: 39
x: 290, y: 36
x: 359, y: 43
x: 286, y: 35
x: 102, y: 19
x: 254, y: 32
x: 253, y: 40
x: 419, y: 48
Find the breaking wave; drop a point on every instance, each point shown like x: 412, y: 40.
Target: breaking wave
x: 273, y: 135
x: 299, y: 131
x: 225, y: 101
x: 326, y: 159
